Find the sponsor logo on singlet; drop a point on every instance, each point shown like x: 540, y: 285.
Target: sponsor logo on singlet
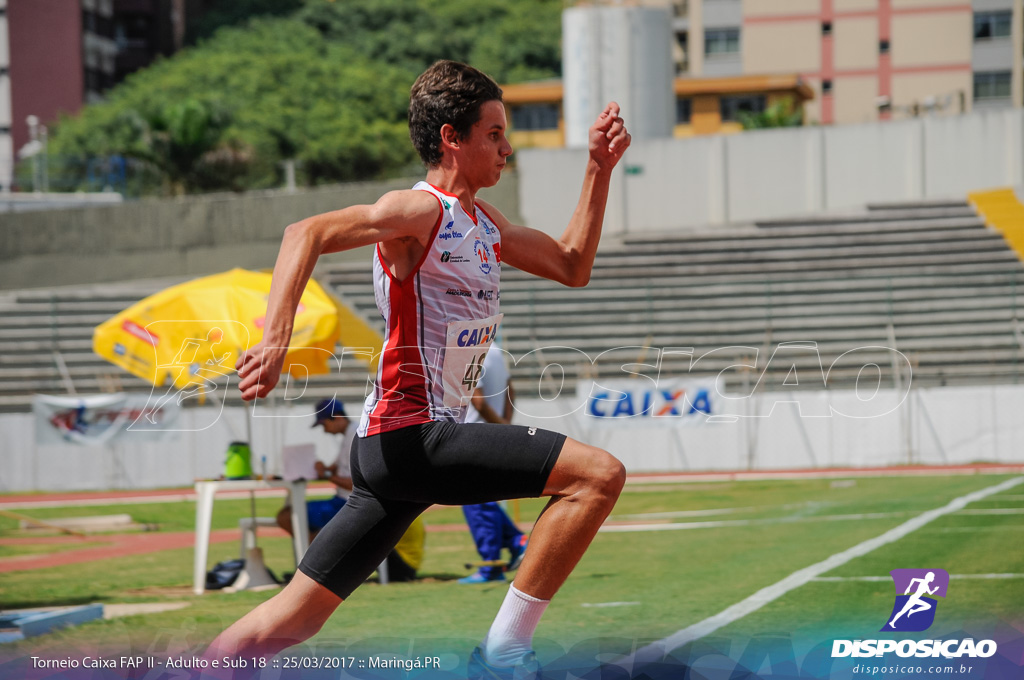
x: 476, y: 336
x: 449, y: 235
x: 484, y: 253
x: 458, y: 292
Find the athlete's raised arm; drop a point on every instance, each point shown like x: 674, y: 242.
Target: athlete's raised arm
x: 397, y: 215
x: 569, y: 259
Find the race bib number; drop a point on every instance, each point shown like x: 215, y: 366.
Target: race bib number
x: 466, y: 347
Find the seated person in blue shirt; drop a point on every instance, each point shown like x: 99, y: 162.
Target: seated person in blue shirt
x: 407, y: 556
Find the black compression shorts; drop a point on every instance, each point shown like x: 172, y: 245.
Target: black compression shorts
x: 399, y: 474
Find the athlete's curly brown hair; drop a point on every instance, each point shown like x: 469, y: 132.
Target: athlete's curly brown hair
x: 447, y: 92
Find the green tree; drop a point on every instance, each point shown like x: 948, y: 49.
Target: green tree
x: 511, y: 41
x: 220, y: 13
x: 327, y: 86
x: 186, y: 143
x: 273, y: 90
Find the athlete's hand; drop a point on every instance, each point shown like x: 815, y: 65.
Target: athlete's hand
x: 608, y: 138
x: 259, y: 369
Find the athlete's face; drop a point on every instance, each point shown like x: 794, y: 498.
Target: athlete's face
x: 486, y: 148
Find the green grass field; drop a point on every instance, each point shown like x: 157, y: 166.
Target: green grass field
x: 715, y: 545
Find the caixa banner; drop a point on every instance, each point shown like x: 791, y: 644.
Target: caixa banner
x: 667, y: 401
x: 96, y: 420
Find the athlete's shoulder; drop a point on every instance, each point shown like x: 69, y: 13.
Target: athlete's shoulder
x: 407, y: 205
x: 500, y: 221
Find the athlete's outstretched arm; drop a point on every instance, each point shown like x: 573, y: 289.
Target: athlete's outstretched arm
x: 397, y: 215
x: 569, y: 259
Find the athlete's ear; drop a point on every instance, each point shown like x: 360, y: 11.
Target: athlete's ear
x: 449, y: 137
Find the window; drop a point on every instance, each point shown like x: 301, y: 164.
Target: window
x: 100, y: 25
x: 92, y: 80
x: 883, y: 47
x: 992, y: 85
x: 988, y: 25
x: 732, y: 106
x: 826, y: 28
x: 684, y: 111
x: 721, y: 41
x: 134, y: 31
x: 535, y: 117
x: 826, y: 87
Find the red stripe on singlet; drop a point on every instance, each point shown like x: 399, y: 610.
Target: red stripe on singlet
x: 402, y: 380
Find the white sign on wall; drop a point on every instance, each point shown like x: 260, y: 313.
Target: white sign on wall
x: 97, y: 420
x: 668, y: 402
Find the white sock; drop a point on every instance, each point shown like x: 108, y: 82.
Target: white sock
x: 511, y: 634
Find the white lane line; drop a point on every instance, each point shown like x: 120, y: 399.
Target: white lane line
x: 888, y: 579
x: 683, y: 513
x: 657, y: 650
x: 993, y: 511
x: 974, y: 530
x: 188, y: 496
x: 711, y: 512
x: 682, y: 526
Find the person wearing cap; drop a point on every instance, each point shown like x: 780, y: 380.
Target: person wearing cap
x: 330, y: 414
x: 406, y: 557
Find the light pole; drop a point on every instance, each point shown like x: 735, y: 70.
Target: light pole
x: 37, y: 148
x: 33, y: 135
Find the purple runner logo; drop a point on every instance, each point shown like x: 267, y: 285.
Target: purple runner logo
x: 914, y: 610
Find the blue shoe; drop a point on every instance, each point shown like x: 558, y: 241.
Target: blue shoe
x: 477, y: 577
x: 518, y: 551
x: 527, y: 669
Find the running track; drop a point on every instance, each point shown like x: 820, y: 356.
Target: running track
x: 122, y: 545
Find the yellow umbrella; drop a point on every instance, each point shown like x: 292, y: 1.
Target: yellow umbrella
x: 186, y: 333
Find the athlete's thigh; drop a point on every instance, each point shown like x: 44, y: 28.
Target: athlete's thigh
x: 459, y: 464
x: 356, y: 540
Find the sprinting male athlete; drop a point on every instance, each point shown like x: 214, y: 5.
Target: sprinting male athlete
x: 437, y: 247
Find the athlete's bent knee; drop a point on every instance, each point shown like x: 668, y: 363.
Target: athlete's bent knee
x: 610, y: 474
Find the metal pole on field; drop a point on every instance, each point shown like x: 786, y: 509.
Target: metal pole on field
x: 897, y: 379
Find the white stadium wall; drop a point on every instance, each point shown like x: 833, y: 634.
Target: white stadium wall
x: 976, y: 151
x: 934, y: 426
x: 885, y: 162
x: 197, y: 451
x: 672, y: 184
x: 686, y: 191
x: 773, y: 173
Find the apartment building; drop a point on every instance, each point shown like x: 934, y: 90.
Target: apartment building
x: 6, y: 115
x: 57, y: 55
x: 866, y: 60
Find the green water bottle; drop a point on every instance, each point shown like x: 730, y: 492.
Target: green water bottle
x: 238, y: 464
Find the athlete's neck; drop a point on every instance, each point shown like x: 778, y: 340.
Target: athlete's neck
x: 450, y: 181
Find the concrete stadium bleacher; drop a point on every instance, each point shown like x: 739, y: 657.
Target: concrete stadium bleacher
x: 928, y: 279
